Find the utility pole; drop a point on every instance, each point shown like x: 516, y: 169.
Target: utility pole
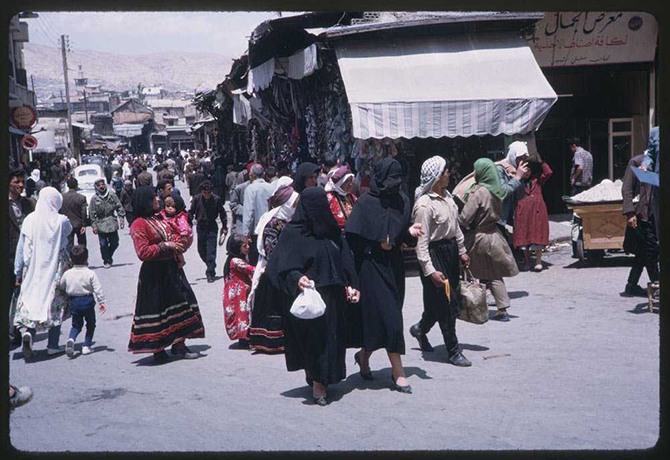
x: 67, y: 96
x: 32, y: 83
x: 85, y: 106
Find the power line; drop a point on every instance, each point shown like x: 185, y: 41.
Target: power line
x: 49, y: 24
x: 48, y: 36
x: 47, y: 30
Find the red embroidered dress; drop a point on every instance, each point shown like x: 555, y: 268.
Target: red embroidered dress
x: 166, y: 310
x: 235, y: 293
x: 341, y: 207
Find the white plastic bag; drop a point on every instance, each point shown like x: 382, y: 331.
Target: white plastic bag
x: 308, y: 305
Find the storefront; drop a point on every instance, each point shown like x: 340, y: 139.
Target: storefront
x: 602, y: 65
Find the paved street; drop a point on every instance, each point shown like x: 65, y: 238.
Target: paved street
x: 576, y: 368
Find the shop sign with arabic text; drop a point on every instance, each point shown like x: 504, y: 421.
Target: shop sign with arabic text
x: 592, y: 38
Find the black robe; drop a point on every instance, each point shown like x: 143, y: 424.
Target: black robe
x: 312, y: 245
x: 382, y: 213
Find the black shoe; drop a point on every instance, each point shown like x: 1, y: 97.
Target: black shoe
x: 424, y: 344
x: 457, y: 359
x: 501, y: 316
x: 161, y: 357
x: 366, y: 375
x: 407, y: 389
x: 243, y: 344
x: 635, y: 290
x: 321, y: 401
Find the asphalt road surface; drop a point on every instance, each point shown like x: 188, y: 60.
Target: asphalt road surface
x: 576, y: 368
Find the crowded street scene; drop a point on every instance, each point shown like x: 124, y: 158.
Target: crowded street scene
x: 316, y: 244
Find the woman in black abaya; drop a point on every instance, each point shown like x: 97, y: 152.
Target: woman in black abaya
x: 311, y: 249
x: 376, y: 229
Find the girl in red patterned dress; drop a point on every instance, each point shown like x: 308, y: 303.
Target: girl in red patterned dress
x: 339, y: 193
x: 176, y: 216
x: 237, y: 274
x: 166, y: 310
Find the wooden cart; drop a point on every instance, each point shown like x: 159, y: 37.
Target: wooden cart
x: 603, y: 226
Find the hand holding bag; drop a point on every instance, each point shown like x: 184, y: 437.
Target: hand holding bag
x: 309, y: 304
x: 473, y: 300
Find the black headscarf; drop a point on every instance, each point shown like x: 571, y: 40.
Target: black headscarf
x: 302, y: 174
x: 384, y: 210
x: 143, y: 201
x: 312, y: 244
x: 233, y: 249
x: 179, y: 204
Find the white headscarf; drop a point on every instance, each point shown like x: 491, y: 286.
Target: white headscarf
x: 431, y: 170
x: 337, y: 186
x: 515, y: 150
x: 35, y: 175
x: 44, y: 233
x: 284, y: 212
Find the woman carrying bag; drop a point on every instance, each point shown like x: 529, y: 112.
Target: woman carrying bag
x: 311, y: 252
x: 491, y: 256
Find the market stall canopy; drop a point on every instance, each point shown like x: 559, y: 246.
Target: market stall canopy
x: 128, y: 130
x: 452, y: 85
x: 46, y: 141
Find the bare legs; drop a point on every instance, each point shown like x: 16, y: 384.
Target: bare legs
x: 395, y: 359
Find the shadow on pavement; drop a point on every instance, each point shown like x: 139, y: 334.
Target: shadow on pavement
x: 440, y: 353
x: 382, y: 381
x: 517, y: 294
x: 148, y: 359
x: 38, y: 356
x: 642, y: 308
x: 604, y: 262
x: 492, y: 313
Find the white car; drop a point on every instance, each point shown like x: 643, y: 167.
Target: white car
x: 86, y: 176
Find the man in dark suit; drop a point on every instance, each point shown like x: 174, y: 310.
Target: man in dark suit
x: 145, y: 177
x: 195, y: 179
x: 75, y: 208
x: 19, y: 207
x: 205, y: 208
x: 641, y: 238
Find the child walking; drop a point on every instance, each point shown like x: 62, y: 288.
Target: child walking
x: 237, y: 274
x: 531, y: 222
x: 177, y: 218
x: 83, y: 287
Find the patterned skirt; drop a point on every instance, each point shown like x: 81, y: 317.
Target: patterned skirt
x: 266, y: 333
x: 166, y: 311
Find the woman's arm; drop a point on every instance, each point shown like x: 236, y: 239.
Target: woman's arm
x: 469, y: 211
x: 23, y: 255
x: 146, y: 250
x: 546, y: 173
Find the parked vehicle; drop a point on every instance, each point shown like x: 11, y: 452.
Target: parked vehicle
x: 87, y: 175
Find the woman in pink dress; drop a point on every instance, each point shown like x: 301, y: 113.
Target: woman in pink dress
x: 237, y: 274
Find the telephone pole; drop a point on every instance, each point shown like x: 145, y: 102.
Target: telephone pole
x: 67, y: 97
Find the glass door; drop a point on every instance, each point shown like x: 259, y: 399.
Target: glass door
x: 620, y: 146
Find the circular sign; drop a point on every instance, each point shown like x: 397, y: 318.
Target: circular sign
x: 29, y: 142
x: 24, y: 117
x: 635, y: 23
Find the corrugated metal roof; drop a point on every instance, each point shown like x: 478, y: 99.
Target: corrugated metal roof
x: 401, y: 19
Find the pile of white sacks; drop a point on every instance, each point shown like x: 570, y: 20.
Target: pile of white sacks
x: 604, y: 191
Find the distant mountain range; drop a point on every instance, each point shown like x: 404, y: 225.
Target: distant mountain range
x: 172, y: 71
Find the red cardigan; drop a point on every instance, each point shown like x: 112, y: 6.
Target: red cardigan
x: 149, y: 237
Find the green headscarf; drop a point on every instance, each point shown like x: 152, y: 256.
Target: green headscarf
x: 486, y: 175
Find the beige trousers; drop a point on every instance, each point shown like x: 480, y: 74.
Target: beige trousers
x: 499, y: 291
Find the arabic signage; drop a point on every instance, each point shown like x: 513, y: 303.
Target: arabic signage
x: 23, y: 117
x: 592, y: 38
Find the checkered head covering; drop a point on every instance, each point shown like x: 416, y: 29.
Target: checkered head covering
x: 431, y: 170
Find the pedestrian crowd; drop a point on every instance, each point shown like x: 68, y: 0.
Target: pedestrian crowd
x: 315, y: 256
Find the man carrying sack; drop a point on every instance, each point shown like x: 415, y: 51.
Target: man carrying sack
x: 439, y: 251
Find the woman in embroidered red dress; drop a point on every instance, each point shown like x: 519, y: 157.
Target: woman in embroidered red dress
x: 237, y: 274
x: 339, y: 193
x: 166, y: 310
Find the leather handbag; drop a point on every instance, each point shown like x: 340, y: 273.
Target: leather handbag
x: 473, y: 307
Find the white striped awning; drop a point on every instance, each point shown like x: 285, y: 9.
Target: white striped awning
x: 464, y: 85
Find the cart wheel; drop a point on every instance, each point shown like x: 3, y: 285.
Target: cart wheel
x: 579, y: 250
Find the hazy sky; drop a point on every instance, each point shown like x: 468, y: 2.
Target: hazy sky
x: 145, y: 33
